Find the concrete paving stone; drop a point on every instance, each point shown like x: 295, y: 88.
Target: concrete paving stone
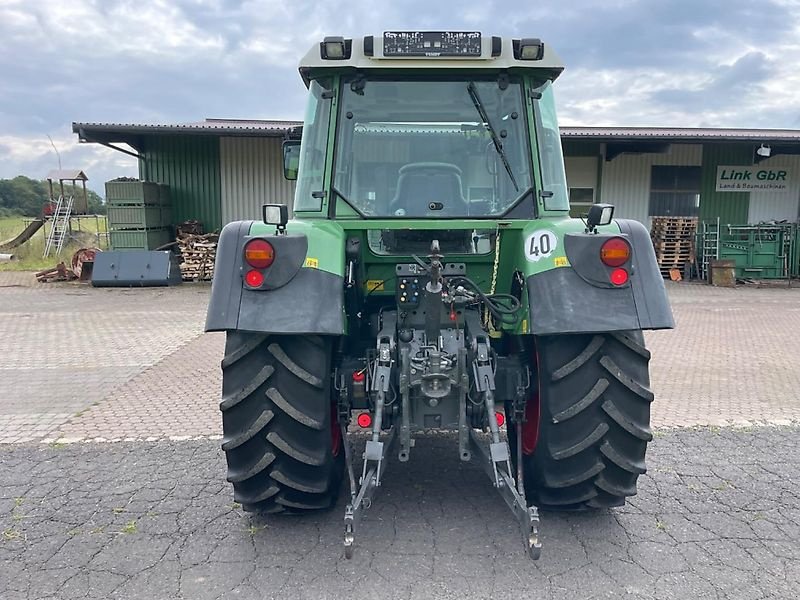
x: 108, y: 363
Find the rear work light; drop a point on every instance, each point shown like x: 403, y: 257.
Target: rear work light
x: 615, y: 252
x: 259, y: 254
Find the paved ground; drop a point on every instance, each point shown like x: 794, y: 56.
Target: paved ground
x: 81, y: 363
x: 717, y: 516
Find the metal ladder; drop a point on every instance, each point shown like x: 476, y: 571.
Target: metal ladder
x: 709, y: 247
x: 60, y: 228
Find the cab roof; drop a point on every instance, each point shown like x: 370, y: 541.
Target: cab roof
x: 415, y: 50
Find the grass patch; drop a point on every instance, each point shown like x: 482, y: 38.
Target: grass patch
x: 11, y: 535
x: 254, y: 529
x: 28, y: 256
x: 130, y: 527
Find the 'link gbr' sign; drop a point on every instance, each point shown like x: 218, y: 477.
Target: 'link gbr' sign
x: 749, y: 179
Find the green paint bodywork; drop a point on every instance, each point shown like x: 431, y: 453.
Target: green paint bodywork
x: 327, y: 237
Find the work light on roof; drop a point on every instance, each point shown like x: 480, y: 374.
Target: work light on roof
x: 528, y: 49
x: 334, y: 48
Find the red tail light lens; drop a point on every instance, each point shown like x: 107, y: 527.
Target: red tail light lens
x: 619, y: 277
x: 259, y: 254
x: 364, y: 420
x: 501, y: 418
x: 254, y: 278
x: 615, y: 252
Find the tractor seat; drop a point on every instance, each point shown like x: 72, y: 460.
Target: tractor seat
x: 429, y: 189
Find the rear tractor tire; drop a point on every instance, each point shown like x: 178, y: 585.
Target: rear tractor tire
x: 593, y: 421
x: 281, y: 440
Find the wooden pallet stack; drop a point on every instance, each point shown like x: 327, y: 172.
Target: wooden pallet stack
x: 674, y: 242
x: 198, y: 253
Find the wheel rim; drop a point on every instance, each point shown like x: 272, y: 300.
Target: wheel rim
x: 336, y: 433
x: 530, y: 428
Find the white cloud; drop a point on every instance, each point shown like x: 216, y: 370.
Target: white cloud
x: 629, y: 62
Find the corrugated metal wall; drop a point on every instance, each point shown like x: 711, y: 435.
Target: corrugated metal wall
x: 626, y: 179
x: 777, y: 206
x: 730, y: 207
x: 189, y: 165
x: 251, y: 172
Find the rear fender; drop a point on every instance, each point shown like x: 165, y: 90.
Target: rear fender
x: 297, y: 296
x: 577, y: 296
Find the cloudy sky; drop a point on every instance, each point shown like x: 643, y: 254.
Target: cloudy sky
x: 715, y: 63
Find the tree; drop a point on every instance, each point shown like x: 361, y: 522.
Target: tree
x: 23, y: 196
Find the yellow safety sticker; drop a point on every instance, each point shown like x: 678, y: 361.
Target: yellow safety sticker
x: 312, y: 263
x: 524, y: 325
x: 374, y: 285
x: 561, y: 261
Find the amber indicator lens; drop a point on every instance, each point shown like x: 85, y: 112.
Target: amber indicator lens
x: 615, y: 252
x: 259, y: 254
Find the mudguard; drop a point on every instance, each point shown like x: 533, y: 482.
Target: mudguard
x: 295, y: 298
x: 577, y: 299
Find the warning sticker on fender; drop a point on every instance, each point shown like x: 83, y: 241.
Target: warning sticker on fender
x: 540, y: 244
x: 312, y: 263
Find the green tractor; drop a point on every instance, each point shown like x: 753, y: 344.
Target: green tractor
x: 431, y: 278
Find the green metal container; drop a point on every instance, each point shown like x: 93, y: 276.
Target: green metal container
x: 140, y: 239
x: 136, y: 192
x: 759, y: 251
x: 142, y: 216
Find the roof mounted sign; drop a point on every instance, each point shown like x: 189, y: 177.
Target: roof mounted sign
x: 432, y: 44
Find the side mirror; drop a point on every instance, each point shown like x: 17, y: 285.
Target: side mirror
x: 291, y: 159
x: 599, y: 214
x: 275, y: 214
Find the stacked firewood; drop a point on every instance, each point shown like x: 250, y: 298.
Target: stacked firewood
x: 198, y: 253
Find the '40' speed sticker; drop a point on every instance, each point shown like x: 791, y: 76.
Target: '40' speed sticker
x: 540, y: 244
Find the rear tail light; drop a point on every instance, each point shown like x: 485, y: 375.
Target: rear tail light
x: 259, y: 254
x: 615, y: 252
x: 364, y: 420
x: 619, y: 277
x: 501, y: 418
x: 254, y: 278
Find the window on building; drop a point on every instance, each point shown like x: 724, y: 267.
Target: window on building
x: 580, y: 199
x: 674, y: 191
